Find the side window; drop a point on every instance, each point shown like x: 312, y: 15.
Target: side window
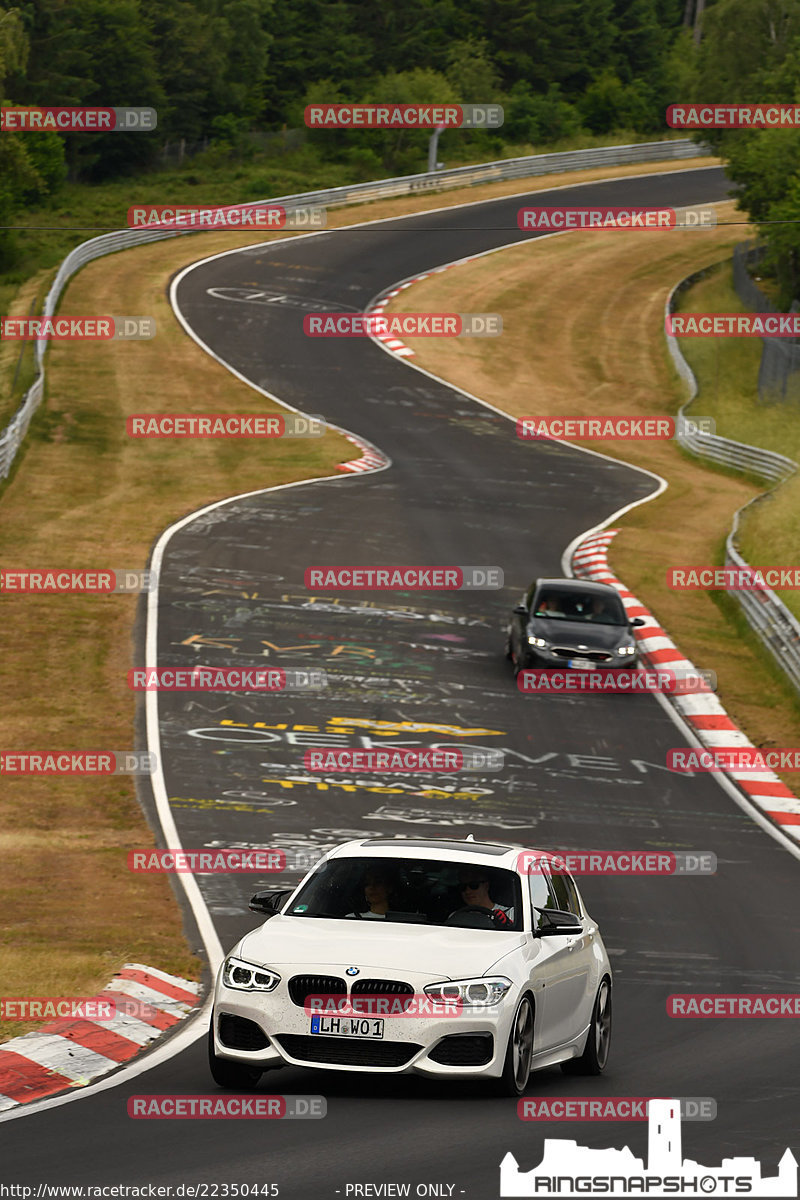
x: 541, y: 897
x: 529, y: 594
x: 566, y: 894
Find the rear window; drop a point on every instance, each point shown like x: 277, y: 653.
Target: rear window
x: 412, y: 892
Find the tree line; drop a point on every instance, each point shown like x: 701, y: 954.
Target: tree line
x: 225, y: 72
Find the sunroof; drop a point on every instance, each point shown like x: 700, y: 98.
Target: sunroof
x: 490, y: 848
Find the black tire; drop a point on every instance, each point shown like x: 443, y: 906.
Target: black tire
x: 598, y: 1043
x: 520, y: 664
x: 519, y: 1051
x: 509, y: 653
x: 234, y: 1076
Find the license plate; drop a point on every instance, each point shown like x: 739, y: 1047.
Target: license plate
x: 582, y: 664
x: 352, y: 1027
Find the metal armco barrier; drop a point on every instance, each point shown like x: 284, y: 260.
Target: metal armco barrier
x: 405, y: 185
x: 779, y: 371
x: 775, y: 625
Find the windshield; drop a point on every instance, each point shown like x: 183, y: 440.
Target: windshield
x: 579, y: 606
x: 412, y: 891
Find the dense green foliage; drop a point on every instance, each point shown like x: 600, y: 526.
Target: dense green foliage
x: 224, y: 69
x: 230, y: 77
x: 750, y: 51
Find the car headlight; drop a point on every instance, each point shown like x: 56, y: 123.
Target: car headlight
x: 630, y: 649
x: 469, y: 992
x: 247, y: 977
x: 536, y: 641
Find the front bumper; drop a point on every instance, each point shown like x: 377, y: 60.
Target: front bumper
x: 545, y: 658
x: 466, y: 1045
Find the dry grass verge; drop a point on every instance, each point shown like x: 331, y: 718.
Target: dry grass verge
x: 583, y: 335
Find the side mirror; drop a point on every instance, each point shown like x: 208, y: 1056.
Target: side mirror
x: 557, y: 921
x: 636, y: 621
x: 268, y: 903
x: 521, y: 610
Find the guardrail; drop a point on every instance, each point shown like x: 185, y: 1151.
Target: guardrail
x: 510, y: 168
x: 772, y: 621
x: 779, y: 370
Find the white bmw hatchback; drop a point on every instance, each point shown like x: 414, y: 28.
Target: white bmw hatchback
x: 444, y: 958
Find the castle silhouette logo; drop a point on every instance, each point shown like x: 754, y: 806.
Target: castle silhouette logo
x: 568, y: 1169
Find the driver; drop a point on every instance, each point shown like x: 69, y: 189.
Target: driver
x: 474, y: 888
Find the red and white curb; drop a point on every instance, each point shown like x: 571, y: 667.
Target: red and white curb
x: 70, y: 1053
x: 371, y: 458
x: 703, y: 712
x: 391, y: 342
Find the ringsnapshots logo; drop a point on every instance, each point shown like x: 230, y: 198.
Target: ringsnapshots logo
x: 402, y: 324
x: 223, y: 425
x: 231, y: 861
x: 733, y: 116
x: 78, y: 119
x: 734, y: 758
x: 610, y: 1108
x: 618, y: 862
x: 733, y: 579
x: 77, y: 329
x: 705, y: 324
x: 567, y: 1169
x: 229, y: 216
x: 404, y: 579
x: 224, y: 679
x: 226, y: 1108
x: 77, y: 762
x: 556, y: 219
x: 403, y: 760
x: 613, y: 428
x: 667, y: 680
x: 50, y: 581
x: 428, y: 117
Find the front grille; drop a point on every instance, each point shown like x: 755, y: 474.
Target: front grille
x: 240, y: 1034
x: 384, y: 987
x: 347, y: 1052
x: 303, y: 986
x: 464, y: 1050
x: 598, y: 656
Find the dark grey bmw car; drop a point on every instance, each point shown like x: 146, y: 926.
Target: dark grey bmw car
x: 571, y: 623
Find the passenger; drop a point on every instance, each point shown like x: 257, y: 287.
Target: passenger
x: 548, y: 604
x: 377, y: 892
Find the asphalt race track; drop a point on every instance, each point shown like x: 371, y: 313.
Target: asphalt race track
x: 581, y: 771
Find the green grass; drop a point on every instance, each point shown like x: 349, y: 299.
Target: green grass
x: 727, y: 375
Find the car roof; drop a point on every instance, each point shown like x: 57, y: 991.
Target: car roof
x: 500, y: 854
x: 578, y: 585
